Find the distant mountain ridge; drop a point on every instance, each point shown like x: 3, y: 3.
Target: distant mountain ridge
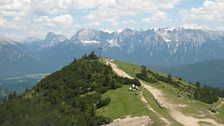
x: 15, y: 58
x: 163, y: 46
x: 152, y: 47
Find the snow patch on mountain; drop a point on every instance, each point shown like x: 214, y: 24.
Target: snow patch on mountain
x: 90, y: 42
x: 113, y: 43
x: 53, y: 39
x: 106, y: 30
x: 167, y: 40
x: 85, y: 34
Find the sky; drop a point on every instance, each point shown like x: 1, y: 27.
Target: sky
x: 20, y: 19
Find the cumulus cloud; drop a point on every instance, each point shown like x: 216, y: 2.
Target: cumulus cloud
x: 63, y: 20
x: 2, y: 21
x: 128, y: 8
x: 37, y: 34
x: 14, y: 7
x: 194, y: 26
x: 15, y: 23
x: 211, y: 10
x: 129, y: 22
x: 97, y: 11
x: 155, y: 18
x: 56, y: 15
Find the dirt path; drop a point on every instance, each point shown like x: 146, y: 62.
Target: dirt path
x: 221, y: 104
x: 117, y: 70
x: 124, y: 74
x: 172, y: 107
x: 151, y: 109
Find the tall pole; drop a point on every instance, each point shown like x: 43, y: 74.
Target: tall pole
x: 100, y: 48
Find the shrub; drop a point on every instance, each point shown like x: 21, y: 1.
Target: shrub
x: 146, y: 78
x: 103, y: 102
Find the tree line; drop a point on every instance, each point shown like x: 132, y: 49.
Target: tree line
x: 204, y: 93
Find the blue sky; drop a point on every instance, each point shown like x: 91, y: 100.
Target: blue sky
x: 20, y: 19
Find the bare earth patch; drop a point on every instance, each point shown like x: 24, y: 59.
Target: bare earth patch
x: 132, y: 121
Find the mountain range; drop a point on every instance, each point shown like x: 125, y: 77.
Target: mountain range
x: 152, y: 47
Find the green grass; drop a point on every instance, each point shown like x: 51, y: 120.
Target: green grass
x: 220, y: 115
x: 123, y: 103
x: 220, y: 102
x: 130, y: 69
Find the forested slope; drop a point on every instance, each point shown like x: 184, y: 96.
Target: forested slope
x: 69, y: 96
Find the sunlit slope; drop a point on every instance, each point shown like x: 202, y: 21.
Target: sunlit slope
x: 175, y: 104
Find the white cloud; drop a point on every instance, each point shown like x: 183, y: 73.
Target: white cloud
x: 104, y: 8
x: 101, y: 10
x: 108, y: 15
x: 155, y: 18
x: 194, y: 26
x: 2, y: 21
x: 14, y: 7
x: 49, y: 7
x: 62, y: 20
x: 15, y: 23
x: 117, y: 9
x: 210, y: 10
x: 12, y: 36
x: 129, y: 22
x: 56, y: 15
x: 37, y: 34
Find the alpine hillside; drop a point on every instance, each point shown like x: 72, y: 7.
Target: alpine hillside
x: 69, y: 96
x: 92, y: 91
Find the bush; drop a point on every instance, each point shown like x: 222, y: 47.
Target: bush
x: 135, y: 81
x: 92, y: 56
x: 128, y: 81
x: 167, y: 80
x: 101, y: 89
x: 103, y: 102
x: 206, y: 94
x: 145, y: 78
